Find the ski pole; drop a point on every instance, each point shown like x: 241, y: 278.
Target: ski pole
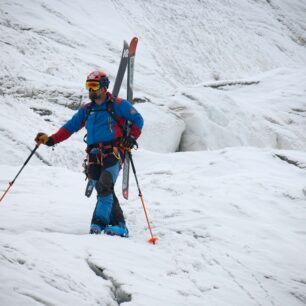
x: 153, y: 239
x: 13, y: 181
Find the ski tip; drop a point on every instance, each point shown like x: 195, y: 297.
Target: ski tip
x: 133, y: 46
x: 153, y: 240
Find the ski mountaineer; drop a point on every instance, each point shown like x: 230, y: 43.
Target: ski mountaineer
x: 104, y: 119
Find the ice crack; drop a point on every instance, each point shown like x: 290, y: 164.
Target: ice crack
x: 119, y: 295
x: 290, y: 161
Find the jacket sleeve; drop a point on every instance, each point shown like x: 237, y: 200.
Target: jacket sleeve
x: 70, y: 127
x: 128, y: 111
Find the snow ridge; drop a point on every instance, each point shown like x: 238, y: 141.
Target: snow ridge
x: 221, y: 162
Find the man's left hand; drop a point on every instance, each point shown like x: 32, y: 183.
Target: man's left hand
x: 129, y: 142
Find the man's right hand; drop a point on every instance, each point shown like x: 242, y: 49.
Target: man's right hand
x: 43, y: 138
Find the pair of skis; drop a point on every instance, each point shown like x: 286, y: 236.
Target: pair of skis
x: 126, y: 62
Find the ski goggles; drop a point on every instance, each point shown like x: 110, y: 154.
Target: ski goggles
x: 93, y: 85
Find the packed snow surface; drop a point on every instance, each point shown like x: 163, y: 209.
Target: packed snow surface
x: 221, y: 164
x: 230, y: 223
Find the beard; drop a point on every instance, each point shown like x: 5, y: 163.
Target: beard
x: 93, y: 95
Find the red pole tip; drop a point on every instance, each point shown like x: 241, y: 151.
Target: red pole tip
x: 153, y: 240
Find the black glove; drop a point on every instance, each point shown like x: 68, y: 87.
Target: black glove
x: 129, y: 142
x: 50, y: 142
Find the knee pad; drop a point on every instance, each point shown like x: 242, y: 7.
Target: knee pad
x: 117, y: 216
x: 105, y: 184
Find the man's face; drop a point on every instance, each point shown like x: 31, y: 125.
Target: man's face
x: 95, y: 92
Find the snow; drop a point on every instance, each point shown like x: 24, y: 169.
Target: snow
x: 163, y: 129
x: 266, y: 111
x: 227, y: 237
x: 221, y: 162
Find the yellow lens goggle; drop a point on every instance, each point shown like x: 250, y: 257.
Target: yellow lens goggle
x: 93, y: 85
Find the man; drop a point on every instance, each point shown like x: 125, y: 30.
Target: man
x: 105, y: 119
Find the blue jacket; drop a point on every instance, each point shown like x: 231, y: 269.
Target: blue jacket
x: 100, y: 125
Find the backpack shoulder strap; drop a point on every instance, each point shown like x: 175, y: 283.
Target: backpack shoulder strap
x: 111, y: 110
x: 87, y: 111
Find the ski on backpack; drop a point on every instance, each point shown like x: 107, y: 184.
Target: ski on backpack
x: 121, y: 70
x: 131, y: 60
x: 130, y: 79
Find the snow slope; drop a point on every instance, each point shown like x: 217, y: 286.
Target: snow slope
x: 181, y: 43
x: 47, y: 49
x: 226, y: 77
